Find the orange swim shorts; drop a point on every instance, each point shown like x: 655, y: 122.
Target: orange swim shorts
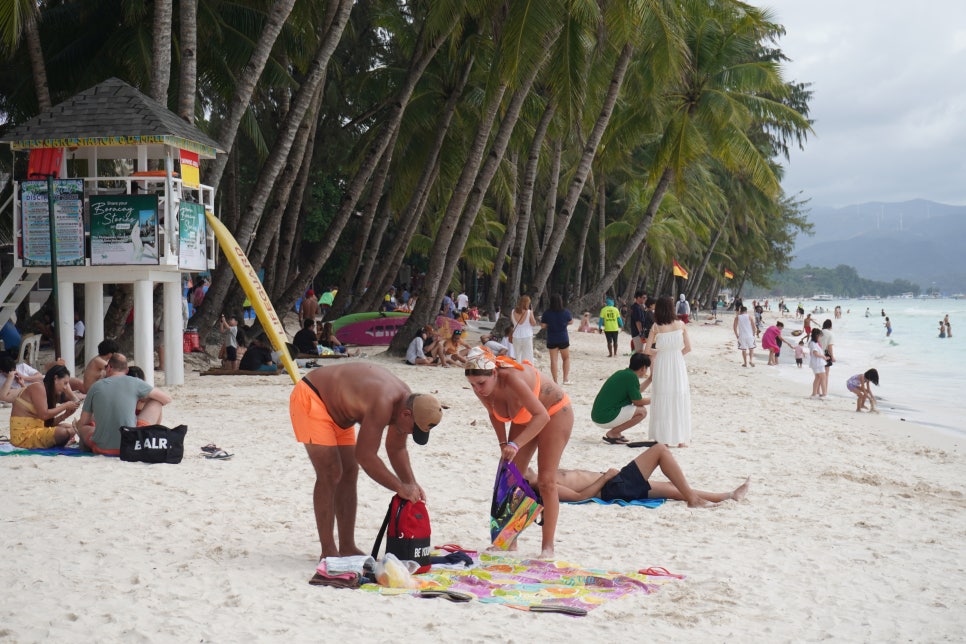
x: 312, y: 422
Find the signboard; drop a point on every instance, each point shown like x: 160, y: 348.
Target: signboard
x: 190, y: 172
x: 192, y: 231
x: 68, y: 222
x: 124, y: 229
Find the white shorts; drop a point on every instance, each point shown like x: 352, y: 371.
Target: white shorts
x: 624, y: 415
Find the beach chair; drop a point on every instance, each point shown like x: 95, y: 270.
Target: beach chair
x: 29, y: 350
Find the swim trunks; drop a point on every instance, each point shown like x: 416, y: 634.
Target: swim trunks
x: 311, y: 420
x: 628, y: 485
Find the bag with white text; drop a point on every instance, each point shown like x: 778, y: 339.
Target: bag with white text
x: 153, y: 444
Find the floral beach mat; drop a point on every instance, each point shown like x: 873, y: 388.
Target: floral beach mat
x: 534, y: 585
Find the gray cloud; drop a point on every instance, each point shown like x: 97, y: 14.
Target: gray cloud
x: 889, y: 99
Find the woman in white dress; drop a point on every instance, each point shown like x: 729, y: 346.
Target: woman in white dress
x: 667, y: 344
x: 523, y: 324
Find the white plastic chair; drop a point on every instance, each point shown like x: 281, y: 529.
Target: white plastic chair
x: 29, y: 349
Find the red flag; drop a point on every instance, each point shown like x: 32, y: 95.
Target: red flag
x: 728, y: 274
x: 678, y: 271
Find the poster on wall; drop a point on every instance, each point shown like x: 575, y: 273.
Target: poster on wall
x: 192, y: 232
x: 68, y: 222
x: 190, y: 171
x: 124, y: 229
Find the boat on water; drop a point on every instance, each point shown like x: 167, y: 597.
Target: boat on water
x: 822, y: 297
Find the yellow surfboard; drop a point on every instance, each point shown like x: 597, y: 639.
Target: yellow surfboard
x: 256, y: 293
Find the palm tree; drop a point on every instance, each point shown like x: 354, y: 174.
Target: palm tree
x: 20, y: 18
x: 723, y: 90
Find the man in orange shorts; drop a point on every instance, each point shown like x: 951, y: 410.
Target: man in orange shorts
x: 325, y: 406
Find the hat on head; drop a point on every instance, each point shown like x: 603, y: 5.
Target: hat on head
x: 309, y: 293
x: 682, y: 296
x: 610, y: 302
x: 457, y: 332
x: 427, y: 413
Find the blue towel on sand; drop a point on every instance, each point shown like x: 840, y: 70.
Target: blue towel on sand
x: 645, y: 503
x: 7, y: 449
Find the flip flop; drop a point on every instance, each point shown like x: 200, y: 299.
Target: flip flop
x: 615, y: 441
x: 658, y: 571
x: 220, y: 455
x: 451, y: 595
x: 552, y: 608
x: 210, y: 448
x: 455, y: 547
x: 642, y: 444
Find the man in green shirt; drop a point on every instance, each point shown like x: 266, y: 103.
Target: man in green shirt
x: 619, y: 404
x: 610, y: 321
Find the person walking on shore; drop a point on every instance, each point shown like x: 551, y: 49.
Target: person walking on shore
x: 746, y: 331
x: 816, y: 362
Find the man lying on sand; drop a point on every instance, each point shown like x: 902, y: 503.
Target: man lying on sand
x: 325, y: 407
x: 631, y: 484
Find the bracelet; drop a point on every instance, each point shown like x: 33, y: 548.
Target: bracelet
x: 503, y: 443
x: 513, y: 445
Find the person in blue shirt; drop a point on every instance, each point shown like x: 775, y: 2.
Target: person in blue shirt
x: 555, y: 320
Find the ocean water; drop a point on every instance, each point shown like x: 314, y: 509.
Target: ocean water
x: 921, y: 376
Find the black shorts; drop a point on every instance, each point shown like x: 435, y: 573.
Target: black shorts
x: 558, y: 345
x: 231, y: 353
x: 612, y: 336
x: 628, y: 485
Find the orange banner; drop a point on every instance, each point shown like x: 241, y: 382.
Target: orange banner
x: 679, y: 271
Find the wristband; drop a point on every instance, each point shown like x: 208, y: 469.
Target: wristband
x: 513, y: 445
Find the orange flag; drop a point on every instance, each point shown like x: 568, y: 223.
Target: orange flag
x: 728, y: 274
x: 678, y: 271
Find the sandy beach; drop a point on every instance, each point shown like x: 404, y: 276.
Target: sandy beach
x: 854, y: 529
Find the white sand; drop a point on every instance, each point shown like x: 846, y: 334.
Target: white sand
x: 854, y: 528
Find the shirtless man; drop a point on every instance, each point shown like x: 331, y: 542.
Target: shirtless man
x: 95, y: 369
x: 630, y: 483
x: 325, y: 407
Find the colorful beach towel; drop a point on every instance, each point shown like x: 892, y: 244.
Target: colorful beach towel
x: 6, y: 449
x: 644, y: 503
x: 535, y: 585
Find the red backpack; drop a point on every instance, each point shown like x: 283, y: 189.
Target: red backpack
x: 408, y: 534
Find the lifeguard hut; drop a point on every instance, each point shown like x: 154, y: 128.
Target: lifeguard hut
x: 128, y: 208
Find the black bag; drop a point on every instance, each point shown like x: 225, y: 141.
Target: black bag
x: 153, y: 444
x: 408, y: 535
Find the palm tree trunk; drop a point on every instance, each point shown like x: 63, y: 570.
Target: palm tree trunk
x: 222, y: 278
x: 410, y: 219
x: 582, y: 244
x: 616, y: 263
x: 247, y: 80
x: 161, y: 51
x: 601, y: 224
x: 37, y: 64
x: 711, y: 247
x: 188, y: 82
x: 421, y: 58
x: 583, y: 169
x: 524, y: 217
x: 501, y: 140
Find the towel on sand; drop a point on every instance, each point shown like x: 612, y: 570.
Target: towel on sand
x: 644, y: 503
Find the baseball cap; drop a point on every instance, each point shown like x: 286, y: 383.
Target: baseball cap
x: 427, y: 413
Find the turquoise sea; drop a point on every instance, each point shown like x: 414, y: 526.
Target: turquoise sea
x: 921, y: 375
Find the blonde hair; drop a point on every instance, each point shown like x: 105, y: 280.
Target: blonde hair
x: 522, y: 304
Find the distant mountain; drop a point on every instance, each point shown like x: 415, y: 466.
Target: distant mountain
x: 920, y: 241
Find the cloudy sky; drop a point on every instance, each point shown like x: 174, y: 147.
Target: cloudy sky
x: 889, y: 102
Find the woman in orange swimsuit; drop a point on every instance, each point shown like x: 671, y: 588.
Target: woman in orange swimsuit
x: 540, y: 416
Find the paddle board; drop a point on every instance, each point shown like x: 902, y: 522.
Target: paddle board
x: 373, y: 329
x: 346, y: 320
x: 249, y: 281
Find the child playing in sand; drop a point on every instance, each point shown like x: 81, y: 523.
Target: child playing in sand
x: 859, y: 385
x: 816, y: 361
x: 800, y: 352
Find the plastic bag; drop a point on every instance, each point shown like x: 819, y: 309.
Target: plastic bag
x: 393, y: 573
